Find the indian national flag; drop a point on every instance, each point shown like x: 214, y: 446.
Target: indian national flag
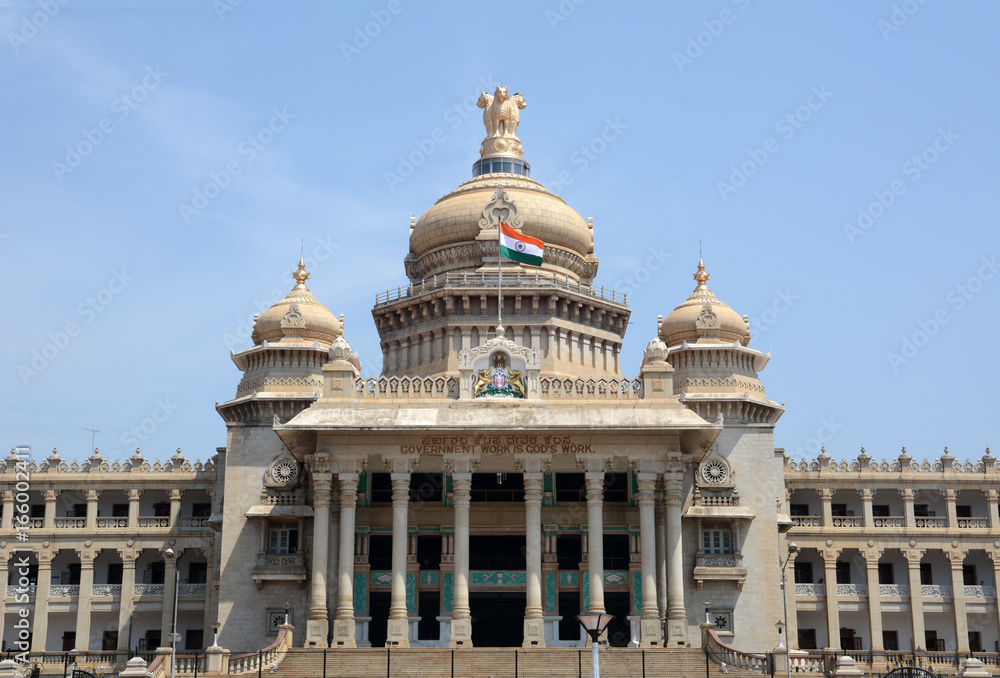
x: 520, y: 247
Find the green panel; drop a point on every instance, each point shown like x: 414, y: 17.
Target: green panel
x: 448, y: 601
x: 429, y: 578
x: 569, y: 578
x: 381, y: 578
x: 549, y: 490
x: 616, y: 578
x: 550, y: 591
x: 363, y: 498
x: 586, y: 592
x: 637, y: 591
x: 411, y: 592
x: 359, y: 593
x: 633, y: 489
x: 498, y: 578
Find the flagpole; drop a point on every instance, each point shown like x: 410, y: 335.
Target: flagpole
x: 500, y: 274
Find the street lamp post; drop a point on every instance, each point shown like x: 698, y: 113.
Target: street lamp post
x: 594, y: 624
x: 215, y: 631
x: 287, y: 607
x: 781, y: 627
x: 169, y: 554
x: 792, y: 548
x: 708, y: 616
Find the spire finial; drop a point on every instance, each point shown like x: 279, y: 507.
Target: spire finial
x: 301, y: 275
x: 701, y: 276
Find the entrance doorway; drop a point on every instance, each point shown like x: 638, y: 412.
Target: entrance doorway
x: 378, y: 627
x: 497, y: 619
x: 619, y: 630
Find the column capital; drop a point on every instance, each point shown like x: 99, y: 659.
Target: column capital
x: 825, y: 493
x: 456, y: 464
x: 533, y: 463
x: 592, y: 463
x: 92, y: 495
x: 401, y: 464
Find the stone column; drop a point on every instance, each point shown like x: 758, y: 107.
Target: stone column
x: 50, y: 509
x: 3, y: 598
x: 41, y: 622
x: 169, y: 586
x: 7, y: 521
x: 175, y: 507
x: 874, y: 599
x: 826, y: 501
x: 910, y: 521
x: 133, y: 508
x: 951, y: 510
x: 318, y: 624
x: 398, y: 634
x: 866, y: 508
x: 958, y: 600
x: 343, y: 625
x: 661, y: 556
x: 92, y: 496
x: 83, y: 602
x: 832, y: 603
x: 791, y: 602
x: 461, y: 616
x: 916, y: 595
x: 534, y: 626
x: 991, y: 504
x: 125, y: 602
x: 595, y: 539
x: 333, y: 558
x: 996, y: 575
x: 649, y: 625
x: 676, y: 612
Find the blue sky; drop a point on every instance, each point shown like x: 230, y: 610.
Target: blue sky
x: 838, y: 161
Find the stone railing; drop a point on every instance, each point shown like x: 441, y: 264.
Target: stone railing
x: 70, y: 523
x: 980, y: 592
x: 490, y: 282
x: 116, y: 522
x: 13, y: 591
x: 932, y: 521
x: 555, y: 388
x: 903, y: 463
x: 894, y: 590
x: 717, y: 561
x: 716, y: 500
x: 270, y: 560
x: 808, y: 521
x: 56, y: 464
x: 442, y: 388
x: 888, y: 521
x: 973, y: 523
x: 148, y: 589
x: 154, y: 521
x: 722, y: 654
x: 852, y: 590
x: 192, y: 590
x: 64, y: 590
x: 253, y: 662
x: 270, y: 497
x: 848, y: 521
x: 106, y: 590
x: 810, y: 589
x: 36, y: 522
x: 192, y: 522
x: 191, y: 663
x: 935, y: 591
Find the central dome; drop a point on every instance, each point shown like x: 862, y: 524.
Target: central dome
x: 456, y: 234
x: 459, y: 233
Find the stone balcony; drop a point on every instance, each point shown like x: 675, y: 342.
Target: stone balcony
x: 279, y: 567
x: 712, y: 567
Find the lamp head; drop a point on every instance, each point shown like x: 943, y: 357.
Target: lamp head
x: 169, y: 553
x: 287, y: 606
x: 215, y: 626
x: 792, y: 548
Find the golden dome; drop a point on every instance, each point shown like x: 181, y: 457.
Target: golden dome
x: 297, y: 316
x: 454, y: 234
x: 704, y: 317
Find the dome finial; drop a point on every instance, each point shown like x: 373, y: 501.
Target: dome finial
x: 301, y: 275
x: 701, y: 276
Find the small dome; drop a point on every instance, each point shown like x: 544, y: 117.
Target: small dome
x: 704, y: 317
x: 297, y: 316
x: 445, y: 236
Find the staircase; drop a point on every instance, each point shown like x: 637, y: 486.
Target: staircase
x: 498, y: 663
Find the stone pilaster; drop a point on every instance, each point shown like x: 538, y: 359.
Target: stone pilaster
x: 461, y: 616
x: 125, y: 602
x: 169, y: 587
x: 832, y: 602
x: 650, y: 629
x: 318, y: 623
x: 910, y: 521
x: 92, y: 496
x: 826, y: 502
x: 175, y: 506
x: 343, y: 625
x: 916, y: 595
x: 83, y: 602
x: 534, y: 627
x: 41, y: 617
x: 7, y: 521
x: 398, y: 634
x: 866, y: 508
x: 874, y: 599
x: 50, y: 510
x: 133, y: 508
x: 958, y: 599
